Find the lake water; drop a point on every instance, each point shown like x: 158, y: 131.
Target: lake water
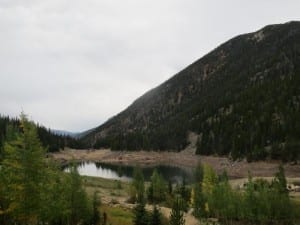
x: 125, y: 173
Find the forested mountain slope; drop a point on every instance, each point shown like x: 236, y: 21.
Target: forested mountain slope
x: 242, y: 99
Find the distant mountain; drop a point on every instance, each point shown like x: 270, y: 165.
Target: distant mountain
x: 84, y: 133
x: 76, y: 135
x: 65, y: 133
x: 242, y: 99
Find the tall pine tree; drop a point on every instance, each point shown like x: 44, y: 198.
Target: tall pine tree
x: 176, y: 216
x: 24, y: 169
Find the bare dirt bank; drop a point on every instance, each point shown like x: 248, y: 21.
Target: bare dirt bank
x: 185, y: 159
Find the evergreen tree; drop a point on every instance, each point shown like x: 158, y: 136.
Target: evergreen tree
x: 24, y: 169
x: 96, y: 213
x: 198, y: 173
x: 176, y: 216
x: 140, y: 214
x: 79, y: 205
x: 170, y: 187
x: 104, y: 221
x: 185, y: 192
x: 157, y: 189
x: 32, y: 189
x: 155, y: 217
x: 198, y: 202
x: 250, y: 205
x: 210, y: 179
x: 280, y: 181
x: 137, y: 187
x: 54, y: 209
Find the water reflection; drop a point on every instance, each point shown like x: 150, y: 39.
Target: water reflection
x: 125, y: 173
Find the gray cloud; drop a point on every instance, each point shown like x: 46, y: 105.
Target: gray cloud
x: 73, y: 64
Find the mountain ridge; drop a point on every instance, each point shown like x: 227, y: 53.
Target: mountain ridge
x: 190, y: 98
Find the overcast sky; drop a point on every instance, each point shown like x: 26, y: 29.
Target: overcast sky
x: 73, y: 64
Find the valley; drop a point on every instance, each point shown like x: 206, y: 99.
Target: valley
x: 217, y: 143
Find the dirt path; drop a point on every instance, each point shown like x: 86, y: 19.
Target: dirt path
x: 187, y: 159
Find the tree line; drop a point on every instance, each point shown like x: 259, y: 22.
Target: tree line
x: 53, y: 142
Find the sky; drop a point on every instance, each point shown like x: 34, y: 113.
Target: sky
x: 73, y: 64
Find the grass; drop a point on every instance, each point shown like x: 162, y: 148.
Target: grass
x: 117, y: 215
x: 105, y: 186
x: 110, y: 189
x: 99, y: 182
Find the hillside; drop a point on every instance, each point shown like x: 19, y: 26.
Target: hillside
x: 242, y: 99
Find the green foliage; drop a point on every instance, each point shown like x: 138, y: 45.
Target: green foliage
x: 140, y: 214
x: 32, y: 189
x: 137, y: 187
x: 155, y: 216
x: 116, y: 215
x: 198, y: 173
x: 184, y: 192
x: 210, y: 179
x: 198, y: 202
x: 280, y: 182
x: 265, y: 203
x: 95, y: 220
x: 157, y: 189
x: 176, y: 216
x: 260, y: 203
x: 24, y: 167
x: 224, y: 202
x: 79, y: 203
x: 52, y: 142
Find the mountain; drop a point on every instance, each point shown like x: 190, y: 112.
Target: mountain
x: 76, y: 135
x: 242, y: 99
x: 65, y: 133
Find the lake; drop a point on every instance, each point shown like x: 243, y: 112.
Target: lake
x: 125, y: 173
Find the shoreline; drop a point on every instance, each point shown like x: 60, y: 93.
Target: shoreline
x: 188, y: 160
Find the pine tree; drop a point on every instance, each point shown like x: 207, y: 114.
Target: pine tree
x: 140, y: 214
x: 32, y: 189
x: 176, y: 216
x: 170, y: 187
x: 155, y: 217
x: 79, y: 206
x: 251, y: 207
x: 210, y: 179
x: 198, y: 174
x: 198, y: 202
x: 96, y: 213
x: 280, y: 181
x: 54, y: 196
x: 157, y: 189
x: 137, y: 187
x: 24, y: 169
